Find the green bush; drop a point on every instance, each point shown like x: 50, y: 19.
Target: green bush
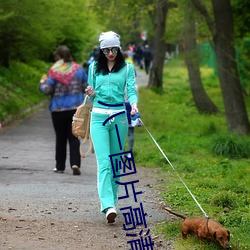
x: 231, y: 146
x: 223, y: 200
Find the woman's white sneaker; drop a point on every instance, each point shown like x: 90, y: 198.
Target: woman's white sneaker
x: 111, y: 215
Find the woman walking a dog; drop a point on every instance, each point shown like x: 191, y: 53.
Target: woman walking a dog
x: 108, y: 78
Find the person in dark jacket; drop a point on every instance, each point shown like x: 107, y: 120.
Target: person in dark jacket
x: 147, y: 54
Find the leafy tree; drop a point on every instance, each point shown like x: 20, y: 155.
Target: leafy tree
x: 241, y: 18
x: 78, y: 29
x: 175, y: 24
x: 156, y: 72
x: 201, y: 99
x: 28, y: 33
x: 127, y: 17
x: 24, y: 32
x: 242, y: 33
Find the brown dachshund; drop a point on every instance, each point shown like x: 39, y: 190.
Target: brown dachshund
x: 204, y: 229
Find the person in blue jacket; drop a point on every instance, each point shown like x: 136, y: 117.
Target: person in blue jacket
x: 108, y: 77
x: 65, y: 83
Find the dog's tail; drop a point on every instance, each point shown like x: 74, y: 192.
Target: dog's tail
x: 175, y: 213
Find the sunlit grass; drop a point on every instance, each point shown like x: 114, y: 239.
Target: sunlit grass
x: 19, y: 87
x: 193, y: 142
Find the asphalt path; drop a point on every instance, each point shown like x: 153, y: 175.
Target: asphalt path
x: 30, y: 190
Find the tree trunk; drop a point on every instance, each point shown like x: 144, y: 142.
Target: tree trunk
x: 223, y: 38
x: 159, y: 47
x: 235, y: 109
x: 201, y: 99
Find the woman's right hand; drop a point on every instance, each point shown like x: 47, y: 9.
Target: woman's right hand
x: 43, y: 79
x: 90, y: 91
x: 134, y: 109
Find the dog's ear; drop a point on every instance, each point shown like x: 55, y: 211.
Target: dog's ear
x: 228, y: 237
x: 214, y: 235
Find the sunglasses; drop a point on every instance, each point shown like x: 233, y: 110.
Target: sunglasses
x: 106, y: 51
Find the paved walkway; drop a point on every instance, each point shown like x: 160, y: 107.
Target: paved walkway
x: 141, y: 78
x: 29, y: 189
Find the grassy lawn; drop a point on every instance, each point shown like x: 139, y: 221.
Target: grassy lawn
x: 19, y: 88
x: 214, y: 164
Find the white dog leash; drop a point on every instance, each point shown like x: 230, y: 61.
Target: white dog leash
x: 174, y: 170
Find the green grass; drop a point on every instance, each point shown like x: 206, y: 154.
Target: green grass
x: 214, y: 164
x: 19, y: 88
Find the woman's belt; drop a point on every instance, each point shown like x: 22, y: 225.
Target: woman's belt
x: 106, y: 111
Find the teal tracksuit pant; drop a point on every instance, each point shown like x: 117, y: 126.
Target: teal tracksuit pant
x: 106, y: 143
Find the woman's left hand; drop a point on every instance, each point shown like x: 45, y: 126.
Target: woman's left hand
x: 134, y: 109
x: 90, y: 91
